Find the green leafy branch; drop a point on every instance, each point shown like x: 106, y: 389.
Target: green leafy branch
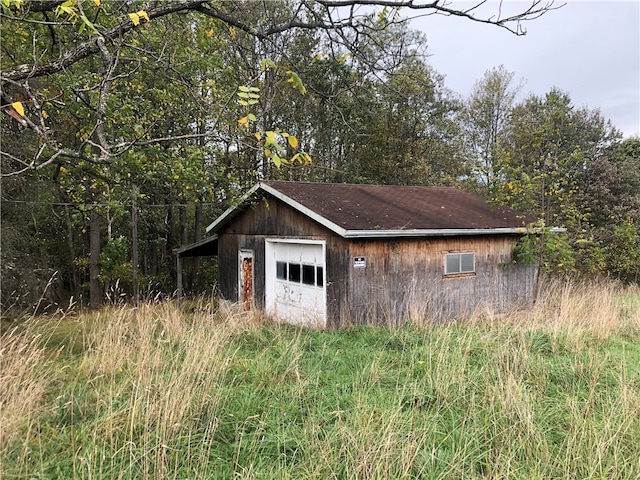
x: 274, y: 142
x: 248, y: 96
x: 74, y: 12
x: 548, y: 248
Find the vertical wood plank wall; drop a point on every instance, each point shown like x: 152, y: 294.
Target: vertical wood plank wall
x: 404, y: 279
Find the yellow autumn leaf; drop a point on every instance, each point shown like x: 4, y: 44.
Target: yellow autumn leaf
x: 135, y: 18
x: 271, y: 137
x: 144, y: 15
x: 293, y: 141
x: 243, y: 120
x: 96, y: 2
x: 17, y: 106
x: 209, y: 33
x: 258, y: 136
x: 45, y: 115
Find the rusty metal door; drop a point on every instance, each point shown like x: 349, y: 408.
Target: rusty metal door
x: 245, y: 287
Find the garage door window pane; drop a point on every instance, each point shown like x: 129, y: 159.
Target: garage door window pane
x: 281, y: 270
x: 319, y: 276
x: 294, y: 272
x: 308, y: 275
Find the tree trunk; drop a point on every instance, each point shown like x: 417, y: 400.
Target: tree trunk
x: 184, y: 227
x: 95, y: 293
x: 169, y: 238
x: 75, y: 279
x: 134, y: 245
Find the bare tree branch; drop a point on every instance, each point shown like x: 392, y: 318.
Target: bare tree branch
x: 512, y: 23
x: 90, y: 47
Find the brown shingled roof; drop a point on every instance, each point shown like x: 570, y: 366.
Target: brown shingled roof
x: 392, y: 207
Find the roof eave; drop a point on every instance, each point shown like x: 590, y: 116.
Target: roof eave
x: 231, y: 212
x: 304, y: 210
x: 191, y: 250
x: 442, y: 232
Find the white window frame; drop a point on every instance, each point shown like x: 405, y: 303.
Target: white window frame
x: 459, y: 256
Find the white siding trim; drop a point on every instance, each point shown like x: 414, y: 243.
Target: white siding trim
x: 445, y: 232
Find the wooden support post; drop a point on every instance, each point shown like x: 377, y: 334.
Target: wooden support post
x: 179, y: 279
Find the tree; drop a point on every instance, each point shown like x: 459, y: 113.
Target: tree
x: 486, y: 116
x: 548, y: 145
x: 390, y: 122
x: 413, y: 136
x: 544, y: 163
x: 608, y: 195
x: 610, y: 184
x: 145, y: 101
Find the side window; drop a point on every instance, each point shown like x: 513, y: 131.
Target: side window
x: 319, y: 276
x: 459, y: 263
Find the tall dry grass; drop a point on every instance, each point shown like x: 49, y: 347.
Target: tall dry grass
x: 144, y: 382
x: 594, y: 307
x: 24, y: 382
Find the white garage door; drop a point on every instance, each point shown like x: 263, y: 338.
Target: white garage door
x: 295, y: 281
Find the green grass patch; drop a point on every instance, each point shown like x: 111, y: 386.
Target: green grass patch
x: 631, y: 301
x: 154, y: 394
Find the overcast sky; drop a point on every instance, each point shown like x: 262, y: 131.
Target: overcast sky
x: 589, y: 49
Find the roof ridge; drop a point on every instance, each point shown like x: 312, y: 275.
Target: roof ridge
x: 371, y: 185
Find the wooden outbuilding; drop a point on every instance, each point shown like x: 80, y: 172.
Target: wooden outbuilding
x: 335, y: 255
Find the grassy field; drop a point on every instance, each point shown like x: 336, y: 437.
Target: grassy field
x: 150, y: 393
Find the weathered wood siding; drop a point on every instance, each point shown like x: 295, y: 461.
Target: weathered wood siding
x: 404, y: 279
x: 269, y: 219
